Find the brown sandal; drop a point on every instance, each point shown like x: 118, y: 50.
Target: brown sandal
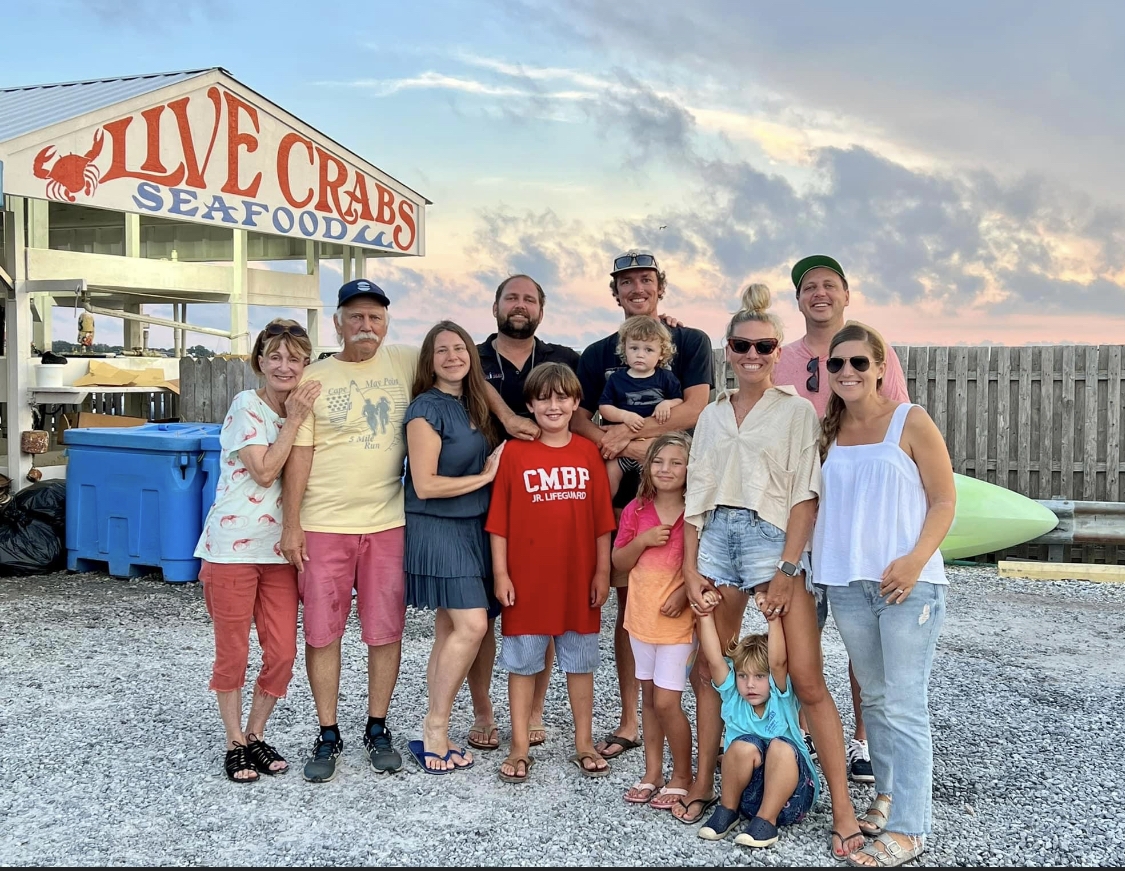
x: 580, y: 759
x: 515, y: 762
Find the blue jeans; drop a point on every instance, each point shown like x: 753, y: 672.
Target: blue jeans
x: 891, y: 648
x: 739, y: 549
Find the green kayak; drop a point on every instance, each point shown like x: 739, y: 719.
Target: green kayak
x: 991, y: 518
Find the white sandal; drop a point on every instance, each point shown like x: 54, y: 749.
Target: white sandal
x: 874, y: 821
x: 889, y: 853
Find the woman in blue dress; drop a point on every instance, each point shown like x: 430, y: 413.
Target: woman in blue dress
x: 449, y: 471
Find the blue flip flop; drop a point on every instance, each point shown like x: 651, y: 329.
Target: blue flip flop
x: 460, y: 751
x: 418, y: 751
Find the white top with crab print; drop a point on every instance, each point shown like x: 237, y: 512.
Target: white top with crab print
x: 244, y: 524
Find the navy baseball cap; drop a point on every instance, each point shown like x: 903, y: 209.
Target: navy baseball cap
x: 361, y: 287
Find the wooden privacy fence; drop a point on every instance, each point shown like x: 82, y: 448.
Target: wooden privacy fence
x: 1042, y: 420
x: 207, y: 386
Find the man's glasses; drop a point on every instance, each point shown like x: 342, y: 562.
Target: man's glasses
x: 296, y: 331
x: 813, y: 368
x: 641, y: 260
x: 860, y: 364
x: 762, y: 346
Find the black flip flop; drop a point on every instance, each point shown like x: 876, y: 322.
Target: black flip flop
x: 624, y: 743
x: 707, y: 803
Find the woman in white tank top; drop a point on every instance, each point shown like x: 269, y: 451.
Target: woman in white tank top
x: 887, y: 502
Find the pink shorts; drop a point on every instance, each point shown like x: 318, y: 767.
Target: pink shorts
x: 339, y: 562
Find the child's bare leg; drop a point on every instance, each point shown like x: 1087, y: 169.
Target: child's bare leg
x: 654, y: 743
x: 521, y: 691
x: 580, y: 688
x: 675, y: 725
x: 740, y: 761
x: 781, y: 777
x: 616, y: 473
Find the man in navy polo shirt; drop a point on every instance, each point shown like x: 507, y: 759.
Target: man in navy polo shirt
x: 507, y: 356
x: 637, y: 285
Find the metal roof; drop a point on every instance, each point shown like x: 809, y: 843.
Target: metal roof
x: 36, y: 106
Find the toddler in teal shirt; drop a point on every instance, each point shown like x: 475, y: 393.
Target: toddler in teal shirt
x: 760, y: 715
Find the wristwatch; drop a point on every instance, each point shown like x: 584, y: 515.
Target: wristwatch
x: 787, y: 568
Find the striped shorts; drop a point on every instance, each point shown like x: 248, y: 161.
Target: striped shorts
x: 576, y: 653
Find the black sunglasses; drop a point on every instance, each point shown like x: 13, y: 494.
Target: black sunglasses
x: 280, y: 330
x: 762, y: 346
x: 813, y: 383
x: 627, y: 260
x: 860, y: 364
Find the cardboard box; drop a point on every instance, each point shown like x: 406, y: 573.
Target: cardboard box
x: 89, y: 419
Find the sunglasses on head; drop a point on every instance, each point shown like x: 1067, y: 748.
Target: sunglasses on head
x: 280, y: 330
x: 762, y: 346
x: 812, y: 385
x: 627, y: 260
x: 859, y: 364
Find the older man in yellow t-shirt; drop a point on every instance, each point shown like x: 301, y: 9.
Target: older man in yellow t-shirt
x: 343, y: 519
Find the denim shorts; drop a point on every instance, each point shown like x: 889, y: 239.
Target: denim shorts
x: 799, y: 803
x: 739, y: 549
x: 575, y: 653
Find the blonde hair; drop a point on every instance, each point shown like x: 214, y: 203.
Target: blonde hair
x: 755, y: 301
x: 750, y: 655
x: 852, y: 331
x: 265, y: 344
x: 643, y: 328
x: 647, y: 490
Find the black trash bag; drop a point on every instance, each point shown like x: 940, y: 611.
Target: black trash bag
x: 44, y: 501
x: 33, y: 530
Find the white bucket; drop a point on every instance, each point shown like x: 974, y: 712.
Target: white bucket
x: 49, y: 374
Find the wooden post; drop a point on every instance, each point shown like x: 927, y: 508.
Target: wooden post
x: 312, y: 267
x: 132, y: 331
x: 1003, y: 414
x: 959, y: 414
x: 239, y: 307
x: 17, y: 321
x: 983, y: 418
x: 1047, y: 428
x: 39, y: 236
x: 1023, y: 418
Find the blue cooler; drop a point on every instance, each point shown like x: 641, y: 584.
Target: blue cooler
x: 134, y: 498
x: 212, y: 467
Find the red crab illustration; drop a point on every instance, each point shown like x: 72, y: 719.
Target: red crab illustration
x: 71, y: 173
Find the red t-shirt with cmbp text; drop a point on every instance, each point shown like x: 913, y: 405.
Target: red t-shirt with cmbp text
x: 551, y: 504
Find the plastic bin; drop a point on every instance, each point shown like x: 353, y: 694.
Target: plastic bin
x: 134, y: 498
x: 212, y: 468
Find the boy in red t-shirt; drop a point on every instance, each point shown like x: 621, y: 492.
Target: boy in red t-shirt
x: 550, y: 520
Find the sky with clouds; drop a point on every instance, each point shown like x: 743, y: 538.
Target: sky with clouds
x: 961, y: 160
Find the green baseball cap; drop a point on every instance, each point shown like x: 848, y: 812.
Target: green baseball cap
x: 814, y: 261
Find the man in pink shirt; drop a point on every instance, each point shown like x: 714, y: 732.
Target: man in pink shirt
x: 822, y: 296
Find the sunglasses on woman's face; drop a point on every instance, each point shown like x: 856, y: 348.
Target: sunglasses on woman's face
x: 859, y: 364
x: 762, y: 346
x: 280, y: 330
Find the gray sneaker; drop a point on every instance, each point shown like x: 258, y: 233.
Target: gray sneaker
x: 382, y: 755
x: 321, y: 766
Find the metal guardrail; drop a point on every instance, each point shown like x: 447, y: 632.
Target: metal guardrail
x: 1084, y: 523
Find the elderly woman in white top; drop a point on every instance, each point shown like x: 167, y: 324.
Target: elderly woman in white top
x: 753, y: 485
x: 245, y: 578
x: 888, y: 501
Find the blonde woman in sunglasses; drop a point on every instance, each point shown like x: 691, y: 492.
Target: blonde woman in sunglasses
x: 753, y: 486
x: 245, y: 577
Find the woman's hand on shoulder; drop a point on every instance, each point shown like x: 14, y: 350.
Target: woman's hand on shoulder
x: 492, y: 463
x: 300, y: 400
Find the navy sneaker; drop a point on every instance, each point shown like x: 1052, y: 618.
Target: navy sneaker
x: 722, y: 822
x: 381, y: 753
x: 321, y: 766
x: 859, y: 762
x: 758, y: 833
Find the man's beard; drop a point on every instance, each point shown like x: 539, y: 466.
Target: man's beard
x: 506, y: 327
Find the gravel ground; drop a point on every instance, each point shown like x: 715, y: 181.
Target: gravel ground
x: 111, y: 746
